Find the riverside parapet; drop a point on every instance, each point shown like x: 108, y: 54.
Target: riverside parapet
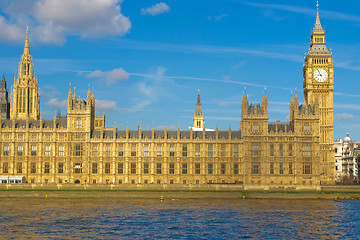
x: 173, y: 192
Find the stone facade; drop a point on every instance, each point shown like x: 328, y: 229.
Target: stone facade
x: 347, y: 154
x: 79, y: 148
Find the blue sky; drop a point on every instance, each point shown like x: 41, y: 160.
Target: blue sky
x: 146, y: 60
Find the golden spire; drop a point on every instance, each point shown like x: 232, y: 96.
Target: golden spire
x: 318, y: 28
x: 317, y: 10
x: 317, y: 6
x: 70, y: 92
x: 89, y: 92
x: 26, y: 47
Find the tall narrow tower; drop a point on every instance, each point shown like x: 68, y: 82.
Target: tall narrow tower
x: 25, y: 96
x: 198, y: 115
x: 318, y: 83
x: 4, y: 100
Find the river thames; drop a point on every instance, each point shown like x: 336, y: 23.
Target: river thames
x: 178, y: 219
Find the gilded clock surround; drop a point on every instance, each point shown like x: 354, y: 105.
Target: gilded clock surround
x: 317, y: 79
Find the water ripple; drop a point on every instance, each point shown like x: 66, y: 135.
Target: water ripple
x: 182, y: 219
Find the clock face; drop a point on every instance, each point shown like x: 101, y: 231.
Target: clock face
x: 320, y: 75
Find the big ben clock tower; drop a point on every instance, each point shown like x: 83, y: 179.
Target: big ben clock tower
x: 318, y: 83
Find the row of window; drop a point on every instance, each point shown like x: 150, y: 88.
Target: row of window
x: 78, y: 150
x: 255, y: 168
x: 78, y: 168
x: 255, y: 128
x: 281, y: 168
x: 35, y: 137
x: 306, y: 150
x: 34, y: 150
x: 159, y: 150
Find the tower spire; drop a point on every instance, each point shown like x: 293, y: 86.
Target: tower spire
x: 318, y: 43
x: 89, y: 93
x: 25, y: 93
x: 26, y: 47
x: 3, y: 82
x: 70, y: 92
x: 317, y: 27
x: 198, y: 116
x: 198, y: 106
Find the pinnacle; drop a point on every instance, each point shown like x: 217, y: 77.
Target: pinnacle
x: 26, y: 47
x: 3, y: 82
x: 317, y: 27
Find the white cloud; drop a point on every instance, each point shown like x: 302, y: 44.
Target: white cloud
x: 160, y: 73
x: 160, y: 76
x: 288, y: 8
x: 150, y: 89
x: 148, y: 93
x: 10, y: 32
x: 140, y: 106
x: 283, y: 52
x: 50, y: 33
x: 54, y: 102
x: 348, y: 66
x: 308, y: 11
x: 344, y: 116
x: 111, y: 77
x: 53, y: 20
x: 146, y: 90
x: 91, y: 18
x: 346, y: 94
x: 218, y: 17
x: 49, y: 91
x: 156, y: 9
x: 349, y: 106
x: 104, y: 105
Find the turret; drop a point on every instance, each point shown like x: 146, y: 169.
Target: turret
x: 152, y: 132
x: 292, y: 108
x: 244, y: 105
x: 198, y: 106
x: 88, y: 96
x: 81, y: 113
x: 198, y: 115
x: 178, y: 132
x: 265, y: 104
x: 3, y: 83
x: 140, y: 131
x: 25, y: 92
x: 69, y: 98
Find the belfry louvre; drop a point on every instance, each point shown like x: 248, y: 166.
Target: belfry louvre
x: 79, y: 148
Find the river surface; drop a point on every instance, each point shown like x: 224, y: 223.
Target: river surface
x: 178, y: 219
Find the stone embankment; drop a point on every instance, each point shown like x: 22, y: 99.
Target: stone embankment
x: 172, y: 192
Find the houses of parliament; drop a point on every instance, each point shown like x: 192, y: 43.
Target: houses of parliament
x: 78, y: 148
